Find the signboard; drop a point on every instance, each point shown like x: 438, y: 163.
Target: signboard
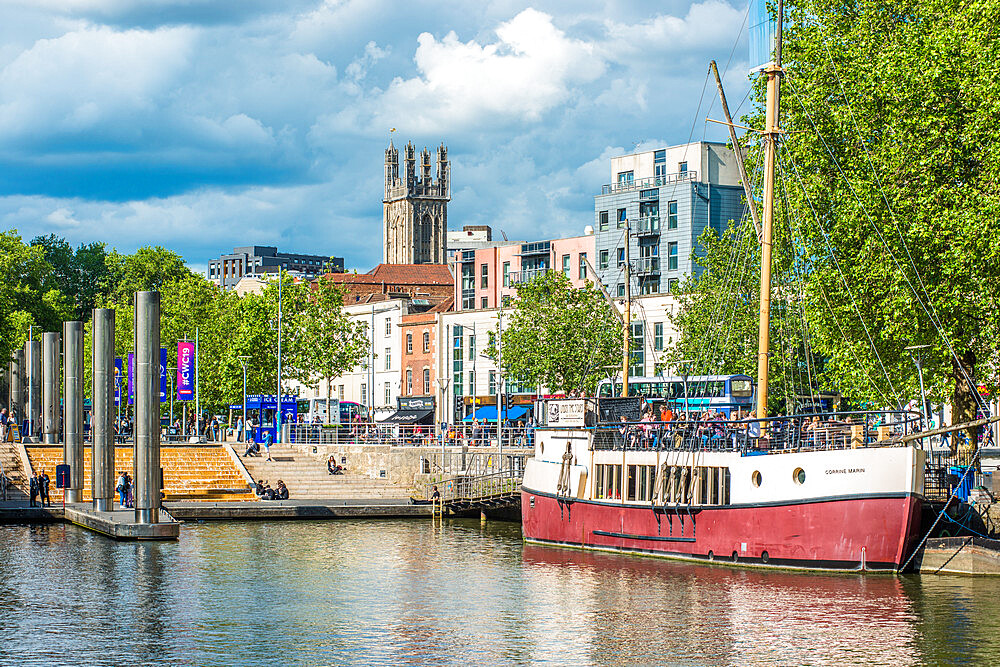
x: 611, y: 410
x: 570, y: 412
x: 415, y: 403
x: 185, y: 371
x: 118, y: 381
x: 62, y: 476
x: 164, y: 396
x: 131, y: 378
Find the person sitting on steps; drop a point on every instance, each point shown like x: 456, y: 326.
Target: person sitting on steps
x: 253, y: 449
x: 281, y: 493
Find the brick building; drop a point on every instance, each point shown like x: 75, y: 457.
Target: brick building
x: 420, y: 345
x: 432, y: 283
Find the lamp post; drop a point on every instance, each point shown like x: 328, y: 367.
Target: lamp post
x: 243, y: 362
x: 443, y: 383
x: 917, y: 354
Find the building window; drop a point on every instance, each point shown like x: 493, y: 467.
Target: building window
x: 672, y: 256
x: 388, y: 327
x: 364, y: 394
x: 682, y: 167
x: 340, y: 392
x: 388, y: 358
x: 409, y: 343
x: 658, y: 336
x: 602, y: 261
x: 625, y: 179
x: 672, y: 215
x: 472, y: 347
x: 472, y: 383
x: 621, y: 256
x: 409, y: 381
x: 602, y: 221
x: 673, y: 285
x: 638, y: 361
x: 388, y: 393
x: 660, y: 167
x: 484, y: 275
x: 506, y: 274
x: 506, y: 300
x: 484, y: 303
x: 621, y: 289
x: 468, y: 286
x: 493, y: 383
x: 583, y: 266
x: 427, y: 341
x: 622, y: 217
x: 427, y: 381
x: 565, y: 262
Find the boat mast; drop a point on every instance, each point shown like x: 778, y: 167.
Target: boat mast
x: 771, y: 132
x: 627, y: 319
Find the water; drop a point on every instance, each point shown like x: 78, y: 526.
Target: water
x: 407, y: 592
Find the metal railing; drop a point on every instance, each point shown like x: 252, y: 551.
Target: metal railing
x: 647, y: 265
x: 625, y: 186
x: 526, y: 276
x: 773, y: 435
x: 481, y: 484
x: 648, y: 225
x: 410, y: 435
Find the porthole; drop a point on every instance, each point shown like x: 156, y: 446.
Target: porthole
x: 711, y: 555
x: 765, y: 557
x: 799, y: 476
x: 756, y: 478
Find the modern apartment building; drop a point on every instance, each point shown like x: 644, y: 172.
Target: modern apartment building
x: 260, y: 260
x: 484, y: 276
x: 665, y: 199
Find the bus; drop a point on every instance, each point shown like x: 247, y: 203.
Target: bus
x: 704, y: 392
x: 314, y: 410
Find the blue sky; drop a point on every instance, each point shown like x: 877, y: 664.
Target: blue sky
x: 203, y: 124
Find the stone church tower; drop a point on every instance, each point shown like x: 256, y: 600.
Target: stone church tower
x: 415, y: 208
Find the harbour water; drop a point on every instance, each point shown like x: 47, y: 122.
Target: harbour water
x: 409, y: 592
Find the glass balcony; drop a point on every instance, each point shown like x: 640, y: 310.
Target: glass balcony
x: 648, y: 226
x: 645, y: 266
x: 521, y: 277
x: 666, y: 179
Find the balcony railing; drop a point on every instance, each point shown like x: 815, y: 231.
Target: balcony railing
x: 648, y: 226
x: 625, y: 186
x: 521, y: 277
x: 645, y: 266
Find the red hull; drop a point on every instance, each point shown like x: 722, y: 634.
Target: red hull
x: 830, y: 534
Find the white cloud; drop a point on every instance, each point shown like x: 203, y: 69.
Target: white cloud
x: 707, y: 24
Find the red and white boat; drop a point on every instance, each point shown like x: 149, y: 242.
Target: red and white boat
x: 841, y: 504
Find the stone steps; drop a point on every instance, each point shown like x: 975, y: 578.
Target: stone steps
x: 306, y: 476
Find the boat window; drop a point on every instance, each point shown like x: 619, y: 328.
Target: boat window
x: 799, y: 476
x: 756, y: 478
x: 630, y: 487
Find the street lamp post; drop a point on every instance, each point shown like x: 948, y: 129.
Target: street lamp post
x: 443, y: 384
x: 243, y: 362
x: 917, y: 354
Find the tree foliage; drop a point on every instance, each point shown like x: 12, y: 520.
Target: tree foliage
x: 559, y: 337
x: 889, y: 195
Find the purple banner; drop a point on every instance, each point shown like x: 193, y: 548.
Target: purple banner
x: 185, y: 371
x: 131, y: 378
x: 118, y: 381
x: 164, y: 395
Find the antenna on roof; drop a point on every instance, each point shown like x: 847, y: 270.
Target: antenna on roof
x: 503, y: 235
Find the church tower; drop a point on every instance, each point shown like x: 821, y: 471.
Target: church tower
x: 415, y: 207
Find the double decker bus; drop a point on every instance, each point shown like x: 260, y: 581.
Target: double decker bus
x: 704, y: 392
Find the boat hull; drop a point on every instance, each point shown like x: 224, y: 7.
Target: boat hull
x: 843, y: 533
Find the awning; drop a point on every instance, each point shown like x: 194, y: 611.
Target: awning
x: 489, y: 413
x: 410, y: 417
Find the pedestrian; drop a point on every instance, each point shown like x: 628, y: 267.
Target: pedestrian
x: 43, y: 489
x: 122, y: 489
x: 129, y: 491
x: 239, y: 429
x: 33, y: 487
x: 268, y: 439
x: 3, y: 425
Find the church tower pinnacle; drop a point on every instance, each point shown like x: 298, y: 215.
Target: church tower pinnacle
x: 415, y: 207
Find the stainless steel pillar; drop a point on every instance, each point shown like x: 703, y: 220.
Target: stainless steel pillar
x: 50, y: 388
x: 33, y: 395
x: 147, y: 407
x: 102, y: 460
x: 16, y: 403
x: 73, y: 408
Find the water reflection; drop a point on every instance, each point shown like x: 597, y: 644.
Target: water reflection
x: 397, y: 592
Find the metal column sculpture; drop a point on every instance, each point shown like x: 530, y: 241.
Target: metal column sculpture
x: 73, y: 408
x: 147, y: 407
x: 16, y: 403
x: 102, y: 461
x: 50, y: 388
x: 33, y: 395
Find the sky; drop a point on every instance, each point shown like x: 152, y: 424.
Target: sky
x: 201, y: 125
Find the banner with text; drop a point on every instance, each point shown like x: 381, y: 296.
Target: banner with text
x: 164, y: 396
x: 185, y: 371
x: 118, y: 380
x: 131, y: 378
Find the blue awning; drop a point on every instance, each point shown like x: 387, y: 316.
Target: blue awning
x: 489, y: 413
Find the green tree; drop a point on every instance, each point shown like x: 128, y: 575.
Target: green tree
x: 80, y: 274
x: 559, y: 336
x: 325, y: 342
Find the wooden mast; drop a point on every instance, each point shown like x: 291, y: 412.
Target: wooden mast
x: 771, y: 132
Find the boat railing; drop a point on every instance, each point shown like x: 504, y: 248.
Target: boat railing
x: 843, y: 430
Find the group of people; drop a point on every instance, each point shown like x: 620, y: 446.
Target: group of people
x: 125, y: 488
x: 38, y: 489
x: 264, y: 491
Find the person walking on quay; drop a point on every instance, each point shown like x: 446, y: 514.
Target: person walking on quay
x: 239, y: 429
x: 3, y: 425
x: 121, y: 488
x: 43, y: 489
x: 33, y: 488
x: 268, y: 439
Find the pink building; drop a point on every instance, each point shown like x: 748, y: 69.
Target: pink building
x: 485, y: 275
